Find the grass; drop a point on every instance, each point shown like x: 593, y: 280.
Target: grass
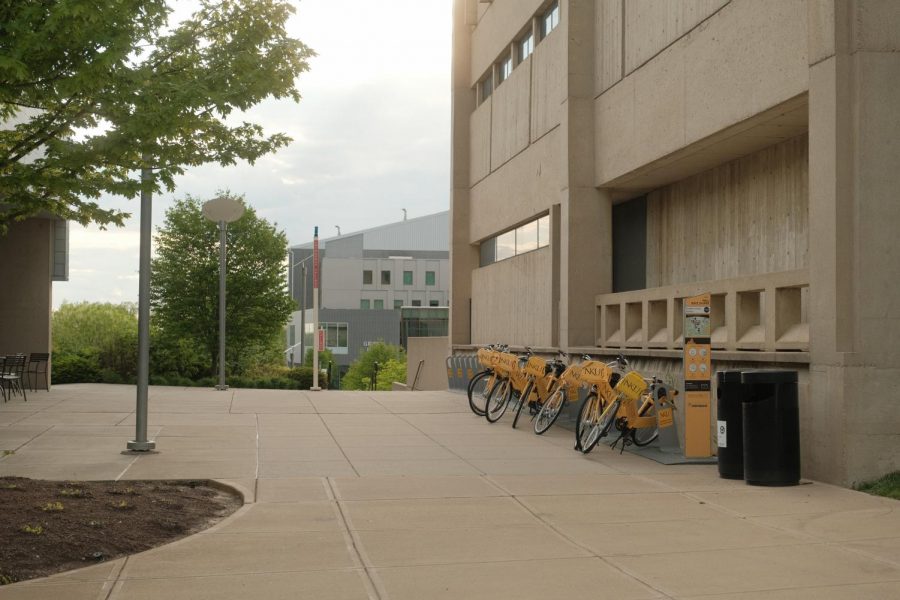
x: 887, y: 486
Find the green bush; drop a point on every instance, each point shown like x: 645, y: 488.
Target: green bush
x: 76, y: 368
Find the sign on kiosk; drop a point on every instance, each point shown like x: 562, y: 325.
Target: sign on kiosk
x: 697, y: 375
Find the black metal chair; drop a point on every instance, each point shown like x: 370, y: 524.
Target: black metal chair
x: 37, y: 365
x: 11, y: 377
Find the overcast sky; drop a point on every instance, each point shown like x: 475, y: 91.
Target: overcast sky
x: 371, y: 137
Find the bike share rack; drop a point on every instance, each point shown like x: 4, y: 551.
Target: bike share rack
x: 460, y: 370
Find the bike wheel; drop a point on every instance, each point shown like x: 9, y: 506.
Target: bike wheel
x: 608, y: 418
x: 523, y: 400
x: 478, y: 391
x: 497, y: 400
x: 550, y: 411
x: 645, y: 435
x: 588, y: 425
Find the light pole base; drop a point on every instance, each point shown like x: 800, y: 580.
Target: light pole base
x: 136, y: 446
x: 221, y: 388
x: 315, y: 389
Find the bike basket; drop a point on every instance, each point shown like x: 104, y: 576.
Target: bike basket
x: 535, y: 367
x: 507, y: 362
x: 632, y: 386
x: 594, y: 372
x: 485, y: 357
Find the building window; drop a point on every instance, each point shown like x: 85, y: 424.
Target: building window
x: 364, y: 304
x: 550, y: 20
x: 505, y: 70
x: 398, y: 304
x: 429, y: 277
x: 335, y: 336
x: 433, y: 303
x: 486, y: 87
x: 367, y: 277
x: 417, y: 303
x: 385, y: 278
x: 526, y: 46
x: 525, y: 238
x: 407, y: 278
x: 379, y: 305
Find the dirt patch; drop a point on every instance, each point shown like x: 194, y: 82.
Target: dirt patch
x: 53, y: 526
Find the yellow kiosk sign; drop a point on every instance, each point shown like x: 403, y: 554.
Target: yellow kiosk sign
x: 697, y: 376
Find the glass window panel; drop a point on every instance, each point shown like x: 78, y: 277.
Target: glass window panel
x: 407, y: 277
x: 526, y: 47
x: 506, y: 68
x: 379, y: 305
x: 527, y: 237
x: 385, y: 278
x: 417, y: 303
x: 488, y: 251
x: 398, y: 304
x: 330, y: 335
x: 506, y: 245
x: 429, y: 277
x: 367, y: 277
x: 364, y: 304
x: 433, y: 303
x: 550, y: 20
x: 342, y: 335
x: 543, y: 231
x: 487, y: 86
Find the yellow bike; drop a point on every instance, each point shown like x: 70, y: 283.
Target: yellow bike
x: 641, y: 407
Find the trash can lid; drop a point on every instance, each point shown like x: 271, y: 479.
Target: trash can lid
x: 768, y: 376
x: 728, y: 377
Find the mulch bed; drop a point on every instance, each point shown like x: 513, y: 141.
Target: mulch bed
x: 53, y: 526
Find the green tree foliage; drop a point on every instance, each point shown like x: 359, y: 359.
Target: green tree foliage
x: 325, y: 357
x: 104, y: 335
x: 184, y: 291
x: 362, y: 372
x: 92, y: 91
x: 393, y: 370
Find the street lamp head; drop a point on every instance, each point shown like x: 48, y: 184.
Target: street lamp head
x: 222, y: 209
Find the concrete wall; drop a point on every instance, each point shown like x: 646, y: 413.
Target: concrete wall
x: 854, y: 266
x: 511, y: 301
x: 434, y: 351
x: 26, y: 262
x: 747, y: 217
x: 747, y: 57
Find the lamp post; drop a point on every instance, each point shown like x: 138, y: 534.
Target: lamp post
x: 222, y: 210
x: 140, y: 443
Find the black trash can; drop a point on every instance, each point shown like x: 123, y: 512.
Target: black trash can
x: 730, y: 425
x: 771, y: 420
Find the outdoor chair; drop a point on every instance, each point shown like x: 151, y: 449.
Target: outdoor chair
x: 37, y: 366
x: 11, y: 377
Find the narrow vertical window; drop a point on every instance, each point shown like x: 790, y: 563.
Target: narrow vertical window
x: 506, y: 67
x: 385, y: 278
x: 550, y: 20
x: 526, y: 47
x: 429, y: 277
x: 367, y: 277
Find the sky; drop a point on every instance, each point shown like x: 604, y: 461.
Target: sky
x: 371, y: 137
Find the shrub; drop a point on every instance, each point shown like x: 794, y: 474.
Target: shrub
x: 76, y: 368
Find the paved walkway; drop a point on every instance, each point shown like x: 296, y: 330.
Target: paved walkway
x: 353, y: 495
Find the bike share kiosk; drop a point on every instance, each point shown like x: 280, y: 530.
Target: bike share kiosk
x: 697, y: 376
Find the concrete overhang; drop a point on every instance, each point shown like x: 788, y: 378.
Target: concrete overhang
x: 782, y: 122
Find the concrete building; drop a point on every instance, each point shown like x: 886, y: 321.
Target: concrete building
x: 33, y: 254
x: 366, y: 277
x: 612, y: 157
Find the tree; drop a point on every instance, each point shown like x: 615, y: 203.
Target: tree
x: 93, y: 91
x: 184, y: 291
x: 326, y: 356
x: 362, y: 372
x: 102, y: 333
x: 393, y: 370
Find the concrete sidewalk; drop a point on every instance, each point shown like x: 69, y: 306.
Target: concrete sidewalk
x: 353, y: 495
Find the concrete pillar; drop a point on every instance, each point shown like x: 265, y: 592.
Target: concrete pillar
x: 852, y: 417
x: 463, y: 255
x: 586, y: 212
x: 26, y: 264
